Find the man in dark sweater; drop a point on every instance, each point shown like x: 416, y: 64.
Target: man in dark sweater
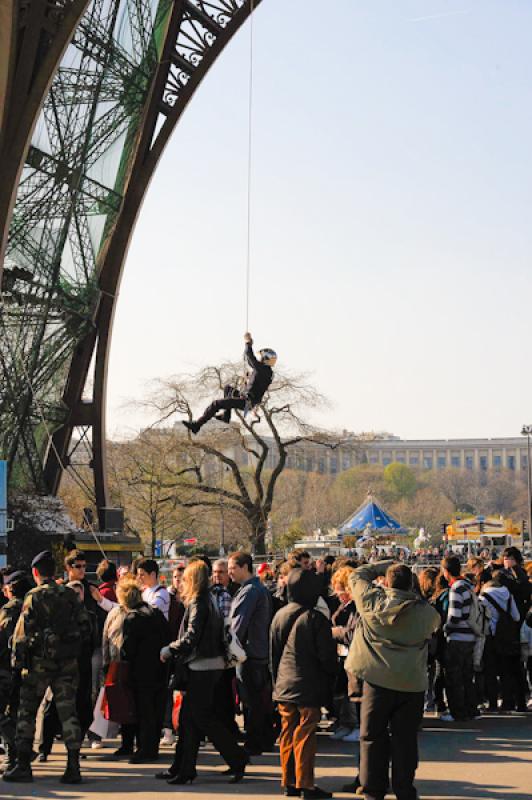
x: 257, y: 385
x: 249, y: 620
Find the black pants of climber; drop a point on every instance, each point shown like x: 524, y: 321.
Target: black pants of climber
x: 232, y: 399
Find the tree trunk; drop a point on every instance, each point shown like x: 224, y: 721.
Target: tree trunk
x: 258, y: 538
x: 153, y: 540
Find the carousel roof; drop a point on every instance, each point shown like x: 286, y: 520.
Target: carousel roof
x: 370, y: 517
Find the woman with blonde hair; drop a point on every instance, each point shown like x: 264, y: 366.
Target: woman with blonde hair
x: 200, y: 646
x: 343, y: 623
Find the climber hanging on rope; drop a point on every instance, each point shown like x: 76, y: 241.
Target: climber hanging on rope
x: 258, y: 381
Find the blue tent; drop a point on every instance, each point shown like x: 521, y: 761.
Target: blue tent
x: 370, y: 518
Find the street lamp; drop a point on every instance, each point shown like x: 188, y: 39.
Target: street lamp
x: 527, y: 431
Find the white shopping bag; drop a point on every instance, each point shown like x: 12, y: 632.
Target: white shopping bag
x: 102, y: 727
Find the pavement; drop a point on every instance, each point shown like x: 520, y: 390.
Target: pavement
x: 489, y: 759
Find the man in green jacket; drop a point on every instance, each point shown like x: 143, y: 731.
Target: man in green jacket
x: 389, y: 652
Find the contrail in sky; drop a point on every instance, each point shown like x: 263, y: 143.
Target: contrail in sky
x: 439, y: 16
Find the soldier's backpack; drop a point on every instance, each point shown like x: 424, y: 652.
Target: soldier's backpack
x: 61, y: 634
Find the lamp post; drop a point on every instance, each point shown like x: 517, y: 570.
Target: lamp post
x: 222, y: 516
x: 527, y: 431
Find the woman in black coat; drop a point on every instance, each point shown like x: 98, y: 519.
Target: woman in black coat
x: 200, y: 646
x: 145, y: 632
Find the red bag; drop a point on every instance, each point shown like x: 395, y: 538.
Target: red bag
x: 119, y: 702
x: 176, y: 709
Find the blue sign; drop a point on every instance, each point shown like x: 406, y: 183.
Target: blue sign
x: 3, y: 497
x: 158, y: 549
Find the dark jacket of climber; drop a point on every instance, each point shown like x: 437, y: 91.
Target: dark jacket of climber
x: 259, y: 379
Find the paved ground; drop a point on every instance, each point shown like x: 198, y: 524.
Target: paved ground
x: 489, y: 759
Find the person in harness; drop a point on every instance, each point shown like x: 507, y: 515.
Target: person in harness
x: 257, y: 384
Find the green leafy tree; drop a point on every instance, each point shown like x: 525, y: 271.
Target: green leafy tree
x: 400, y: 481
x: 286, y: 541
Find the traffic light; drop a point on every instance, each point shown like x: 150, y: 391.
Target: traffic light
x: 69, y: 542
x: 481, y: 527
x: 524, y: 527
x: 443, y: 529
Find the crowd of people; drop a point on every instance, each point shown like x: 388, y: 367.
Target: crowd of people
x: 360, y: 649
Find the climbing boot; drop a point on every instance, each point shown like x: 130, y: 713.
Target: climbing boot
x: 193, y: 427
x: 72, y: 773
x: 21, y: 771
x: 10, y: 758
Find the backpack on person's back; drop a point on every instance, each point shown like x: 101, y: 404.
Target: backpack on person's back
x: 506, y: 639
x: 479, y: 616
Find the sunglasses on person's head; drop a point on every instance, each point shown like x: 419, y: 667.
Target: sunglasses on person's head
x: 179, y: 569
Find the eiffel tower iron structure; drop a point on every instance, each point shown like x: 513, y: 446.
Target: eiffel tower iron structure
x: 90, y: 93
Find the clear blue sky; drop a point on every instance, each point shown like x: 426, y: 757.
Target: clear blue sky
x: 392, y: 217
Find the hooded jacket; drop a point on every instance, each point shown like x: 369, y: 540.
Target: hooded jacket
x: 389, y: 648
x: 302, y: 653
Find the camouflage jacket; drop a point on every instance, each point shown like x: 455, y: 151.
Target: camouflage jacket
x: 51, y: 629
x: 9, y: 615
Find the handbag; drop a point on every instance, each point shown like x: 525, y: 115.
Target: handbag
x: 176, y: 710
x: 119, y: 702
x: 179, y: 676
x: 234, y: 652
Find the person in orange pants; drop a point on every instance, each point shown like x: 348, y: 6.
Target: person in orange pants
x: 303, y: 665
x: 297, y: 745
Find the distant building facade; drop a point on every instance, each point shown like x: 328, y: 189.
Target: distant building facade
x: 477, y: 455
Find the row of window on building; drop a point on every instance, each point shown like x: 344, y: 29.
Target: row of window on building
x: 332, y: 463
x: 321, y: 464
x: 441, y: 461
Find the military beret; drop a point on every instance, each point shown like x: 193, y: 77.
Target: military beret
x: 14, y: 576
x: 41, y: 557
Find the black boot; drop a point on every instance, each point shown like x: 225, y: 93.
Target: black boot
x: 10, y: 759
x: 21, y: 772
x: 192, y: 426
x: 72, y: 773
x: 175, y: 767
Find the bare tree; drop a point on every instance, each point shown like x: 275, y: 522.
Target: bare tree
x: 138, y: 471
x: 458, y: 486
x: 237, y: 466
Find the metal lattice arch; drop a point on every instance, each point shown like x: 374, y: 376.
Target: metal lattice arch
x: 90, y: 93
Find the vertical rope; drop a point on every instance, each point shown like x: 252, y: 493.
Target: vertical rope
x: 250, y: 155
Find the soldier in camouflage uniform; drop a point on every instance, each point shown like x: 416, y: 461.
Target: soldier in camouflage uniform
x: 16, y: 585
x: 46, y: 643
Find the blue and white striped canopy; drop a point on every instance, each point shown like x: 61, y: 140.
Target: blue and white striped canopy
x: 370, y: 516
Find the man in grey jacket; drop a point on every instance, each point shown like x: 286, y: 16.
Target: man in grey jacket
x: 389, y: 652
x: 250, y: 618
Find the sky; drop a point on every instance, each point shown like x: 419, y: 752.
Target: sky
x: 391, y: 201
